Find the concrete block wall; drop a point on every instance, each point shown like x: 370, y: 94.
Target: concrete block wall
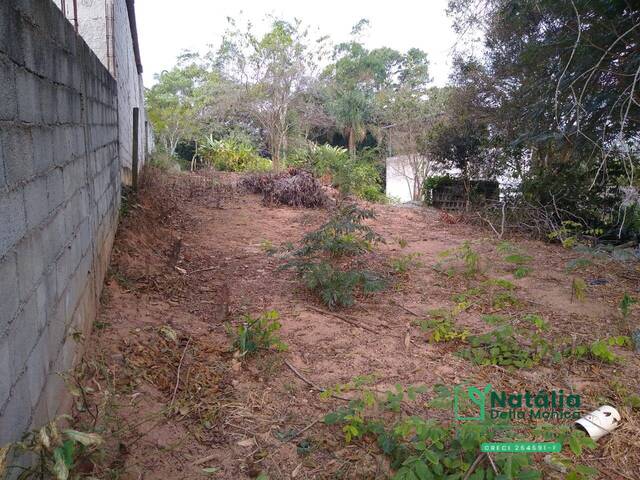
x: 59, y: 202
x: 105, y: 26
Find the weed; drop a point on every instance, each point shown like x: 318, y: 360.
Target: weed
x: 537, y: 321
x: 423, y: 448
x: 318, y: 260
x: 503, y: 300
x: 268, y: 247
x: 404, y: 263
x: 625, y: 304
x: 336, y: 288
x: 577, y: 264
x: 629, y: 399
x: 518, y: 259
x: 499, y: 347
x: 402, y: 242
x: 469, y: 257
x: 59, y: 453
x: 522, y: 271
x: 578, y: 289
x: 443, y: 330
x: 514, y: 256
x: 495, y: 319
x: 259, y: 333
x: 599, y: 349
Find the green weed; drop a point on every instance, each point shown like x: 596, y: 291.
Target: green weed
x: 404, y: 263
x: 259, y: 333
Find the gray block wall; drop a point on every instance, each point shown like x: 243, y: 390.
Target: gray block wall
x: 105, y: 26
x: 59, y: 201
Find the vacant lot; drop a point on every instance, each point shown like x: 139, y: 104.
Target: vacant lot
x: 161, y: 381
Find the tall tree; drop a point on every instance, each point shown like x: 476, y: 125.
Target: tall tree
x: 272, y: 70
x: 357, y: 76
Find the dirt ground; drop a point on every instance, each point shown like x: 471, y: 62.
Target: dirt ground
x: 161, y: 381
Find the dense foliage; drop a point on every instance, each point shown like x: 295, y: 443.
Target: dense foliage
x: 549, y: 106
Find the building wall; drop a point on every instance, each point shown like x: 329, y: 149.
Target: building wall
x: 105, y: 26
x: 59, y: 202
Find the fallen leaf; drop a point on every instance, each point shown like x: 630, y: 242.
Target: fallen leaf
x: 246, y: 443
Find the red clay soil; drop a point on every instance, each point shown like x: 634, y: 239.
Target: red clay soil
x: 162, y: 384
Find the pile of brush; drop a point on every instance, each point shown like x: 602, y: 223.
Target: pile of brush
x: 294, y: 187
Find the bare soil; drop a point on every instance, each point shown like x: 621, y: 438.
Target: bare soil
x: 161, y: 382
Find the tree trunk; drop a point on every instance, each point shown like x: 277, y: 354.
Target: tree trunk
x: 352, y: 143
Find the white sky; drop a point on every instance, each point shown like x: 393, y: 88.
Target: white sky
x: 166, y: 27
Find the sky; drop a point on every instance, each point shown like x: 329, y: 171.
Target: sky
x: 166, y: 27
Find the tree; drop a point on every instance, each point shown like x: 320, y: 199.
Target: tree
x: 356, y: 77
x: 564, y: 82
x: 271, y: 70
x: 409, y: 110
x: 171, y: 103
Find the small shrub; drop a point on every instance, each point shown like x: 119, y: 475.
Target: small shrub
x: 625, y: 304
x: 443, y: 330
x: 233, y: 154
x: 259, y: 333
x: 404, y: 263
x: 466, y: 254
x: 357, y: 176
x: 318, y: 260
x: 420, y: 448
x: 499, y: 347
x: 599, y: 349
x: 336, y: 288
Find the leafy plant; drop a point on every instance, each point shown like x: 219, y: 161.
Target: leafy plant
x: 443, y: 330
x: 336, y: 287
x: 599, y: 349
x: 58, y: 453
x: 499, y: 347
x: 233, y: 154
x: 319, y: 260
x: 466, y: 254
x: 626, y: 303
x: 259, y: 333
x: 404, y: 263
x: 420, y: 448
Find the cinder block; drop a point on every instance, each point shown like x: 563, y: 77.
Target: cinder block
x: 35, y: 202
x: 9, y: 295
x: 15, y: 418
x: 42, y: 149
x: 49, y: 103
x: 53, y: 239
x: 55, y: 188
x: 30, y: 263
x: 11, y: 26
x: 23, y: 334
x: 6, y: 374
x: 61, y: 146
x: 17, y: 146
x: 28, y: 88
x: 8, y: 94
x: 3, y: 177
x: 37, y: 369
x: 12, y: 220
